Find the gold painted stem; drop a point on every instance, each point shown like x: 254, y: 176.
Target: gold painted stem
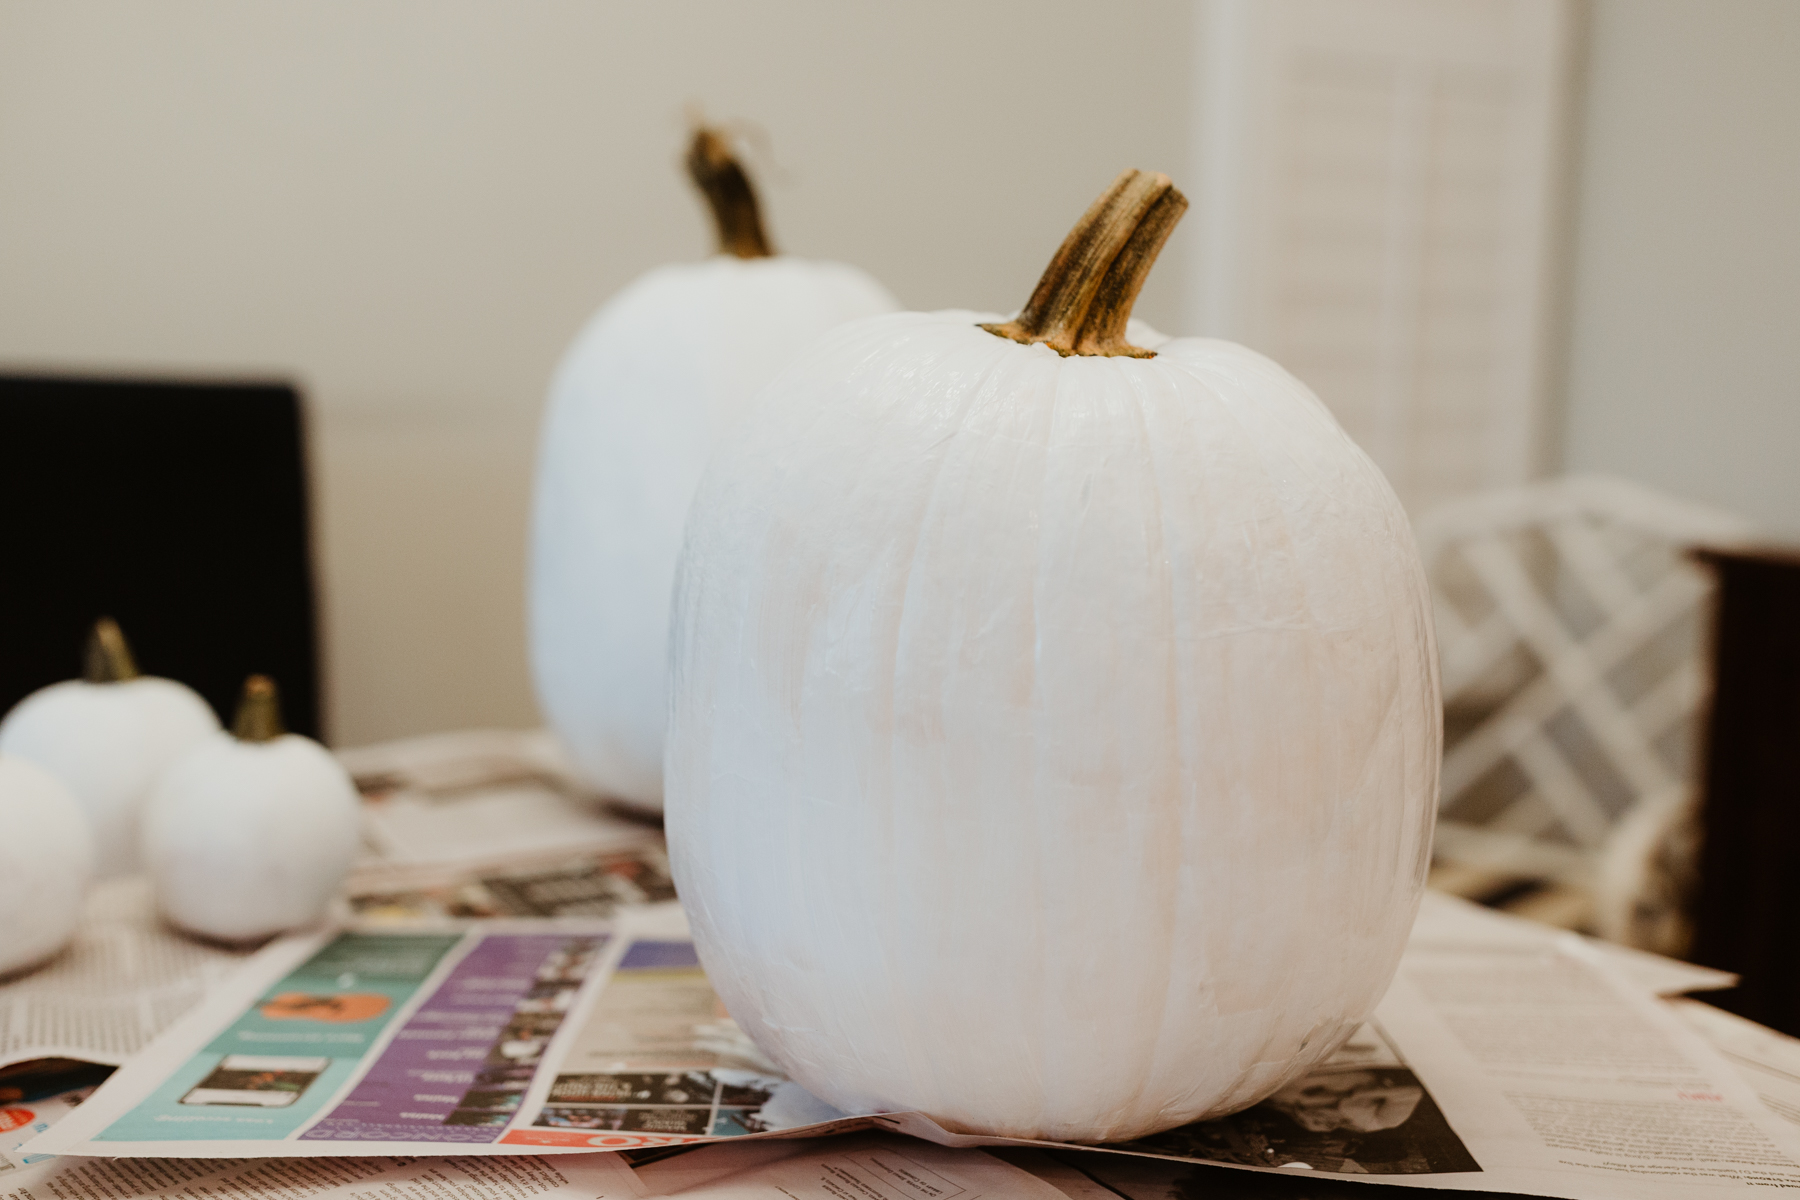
x: 715, y: 171
x: 258, y: 716
x: 108, y: 658
x: 1082, y: 302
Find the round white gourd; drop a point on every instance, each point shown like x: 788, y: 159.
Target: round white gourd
x: 108, y: 738
x: 46, y: 863
x: 640, y: 400
x: 250, y: 833
x: 1054, y: 740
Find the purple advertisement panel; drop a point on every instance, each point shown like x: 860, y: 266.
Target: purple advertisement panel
x: 456, y: 1071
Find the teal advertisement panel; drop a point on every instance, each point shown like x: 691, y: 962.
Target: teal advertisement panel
x: 268, y: 1073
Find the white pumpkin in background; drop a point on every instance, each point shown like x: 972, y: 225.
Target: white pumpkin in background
x: 251, y: 832
x: 46, y: 863
x: 1055, y: 730
x: 646, y: 391
x: 108, y: 736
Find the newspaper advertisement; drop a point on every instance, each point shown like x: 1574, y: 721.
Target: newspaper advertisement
x: 497, y: 1037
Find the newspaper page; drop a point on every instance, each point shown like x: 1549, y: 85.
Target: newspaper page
x: 123, y: 979
x: 1768, y: 1061
x: 859, y: 1166
x: 497, y: 1037
x: 590, y: 884
x: 567, y: 1177
x: 1538, y: 1070
x: 878, y: 1168
x: 460, y: 804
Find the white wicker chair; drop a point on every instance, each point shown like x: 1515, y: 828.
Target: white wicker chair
x: 1569, y: 625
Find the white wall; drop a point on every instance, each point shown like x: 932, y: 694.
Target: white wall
x: 412, y: 204
x: 1684, y: 352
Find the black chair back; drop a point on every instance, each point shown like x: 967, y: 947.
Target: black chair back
x: 178, y: 508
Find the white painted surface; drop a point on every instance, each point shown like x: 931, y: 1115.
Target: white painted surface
x: 1022, y: 774
x: 653, y: 383
x: 109, y: 744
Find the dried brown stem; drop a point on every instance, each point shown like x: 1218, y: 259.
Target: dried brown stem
x: 715, y: 171
x: 1084, y: 299
x: 108, y: 658
x: 258, y: 716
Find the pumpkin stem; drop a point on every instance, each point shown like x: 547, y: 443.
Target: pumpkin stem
x: 108, y: 658
x: 259, y: 712
x: 715, y: 171
x: 1084, y: 299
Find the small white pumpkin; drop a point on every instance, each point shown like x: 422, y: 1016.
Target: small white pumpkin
x: 46, y: 863
x: 1054, y: 733
x: 251, y: 832
x: 638, y: 403
x: 108, y: 736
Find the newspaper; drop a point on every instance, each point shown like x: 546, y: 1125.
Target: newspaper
x: 863, y: 1167
x: 124, y: 978
x: 442, y: 809
x: 23, y: 1119
x: 1768, y: 1061
x: 593, y: 884
x: 869, y: 1167
x: 576, y: 1177
x: 491, y: 1037
x: 1503, y: 1059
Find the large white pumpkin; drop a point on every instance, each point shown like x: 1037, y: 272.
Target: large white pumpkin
x: 1054, y: 739
x: 108, y: 737
x: 46, y: 862
x: 251, y: 832
x: 640, y: 400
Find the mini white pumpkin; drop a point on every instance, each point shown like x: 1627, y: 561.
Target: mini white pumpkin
x: 46, y: 863
x: 638, y: 403
x: 1055, y: 730
x: 251, y: 832
x: 108, y: 736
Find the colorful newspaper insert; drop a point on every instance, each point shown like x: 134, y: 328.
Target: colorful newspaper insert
x: 497, y: 1037
x: 355, y: 1042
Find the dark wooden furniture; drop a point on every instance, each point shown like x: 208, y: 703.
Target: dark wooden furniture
x: 1747, y: 914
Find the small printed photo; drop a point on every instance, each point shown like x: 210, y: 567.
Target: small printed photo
x: 471, y: 1116
x: 741, y: 1089
x: 668, y: 1120
x: 683, y: 1087
x: 629, y: 1120
x: 571, y: 963
x: 583, y: 1118
x: 529, y: 1024
x: 736, y: 1122
x: 516, y: 1077
x: 522, y: 1052
x: 492, y: 1101
x: 256, y: 1081
x: 1364, y: 1121
x: 336, y: 1007
x: 548, y: 998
